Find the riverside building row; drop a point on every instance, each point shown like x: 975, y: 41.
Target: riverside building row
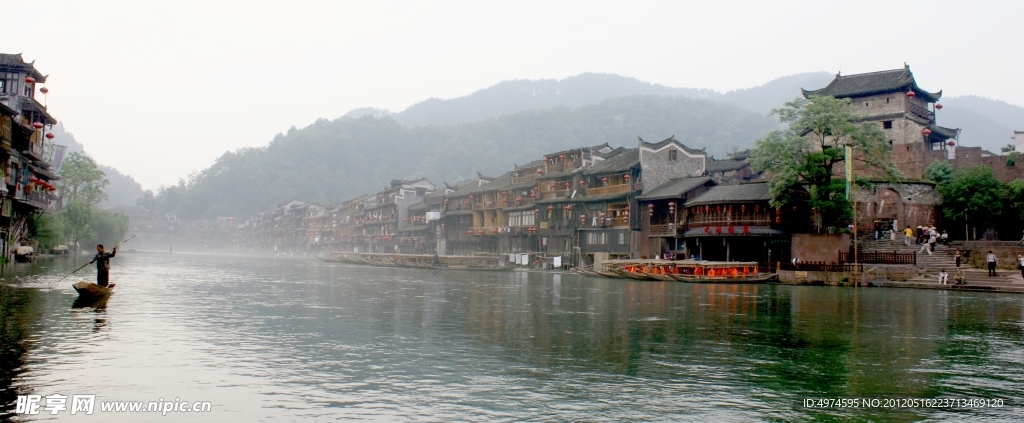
x: 25, y: 156
x: 581, y: 205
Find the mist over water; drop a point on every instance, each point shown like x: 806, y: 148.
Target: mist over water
x: 299, y: 339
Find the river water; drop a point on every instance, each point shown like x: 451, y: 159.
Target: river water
x: 294, y: 339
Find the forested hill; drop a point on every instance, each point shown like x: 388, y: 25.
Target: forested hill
x: 984, y: 122
x: 515, y: 96
x: 122, y: 190
x: 339, y: 159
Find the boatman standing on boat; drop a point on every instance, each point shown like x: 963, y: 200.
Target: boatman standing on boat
x: 102, y: 260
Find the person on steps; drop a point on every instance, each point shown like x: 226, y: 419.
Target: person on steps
x: 102, y: 260
x: 957, y: 256
x: 991, y: 259
x: 943, y: 277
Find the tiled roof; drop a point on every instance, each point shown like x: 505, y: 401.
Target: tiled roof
x: 733, y: 194
x: 674, y: 188
x: 944, y: 132
x: 667, y: 141
x: 621, y: 162
x: 896, y: 80
x: 16, y: 61
x: 713, y: 166
x: 596, y: 198
x: 420, y: 206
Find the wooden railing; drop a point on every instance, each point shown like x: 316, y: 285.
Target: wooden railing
x: 558, y: 193
x: 820, y: 266
x: 879, y: 257
x: 611, y: 189
x: 664, y: 230
x: 920, y: 110
x: 608, y: 222
x: 696, y: 222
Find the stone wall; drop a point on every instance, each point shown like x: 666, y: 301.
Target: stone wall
x: 658, y: 168
x: 975, y: 251
x: 819, y: 247
x: 910, y: 204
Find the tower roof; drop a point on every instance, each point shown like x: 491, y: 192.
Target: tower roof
x: 864, y: 84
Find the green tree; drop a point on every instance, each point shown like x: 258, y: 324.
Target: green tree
x: 973, y: 196
x: 82, y: 179
x: 939, y: 172
x: 77, y: 216
x: 46, y: 228
x: 808, y: 151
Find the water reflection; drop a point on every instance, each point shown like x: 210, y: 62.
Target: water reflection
x: 300, y: 339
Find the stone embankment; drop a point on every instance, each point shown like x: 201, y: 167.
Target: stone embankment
x: 924, y: 275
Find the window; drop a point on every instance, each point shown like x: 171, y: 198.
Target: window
x: 9, y: 82
x: 866, y: 104
x: 622, y: 238
x: 598, y: 238
x: 672, y: 155
x: 887, y: 100
x: 887, y: 124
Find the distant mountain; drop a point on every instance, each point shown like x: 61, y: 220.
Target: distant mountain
x: 515, y: 96
x: 122, y: 190
x: 339, y: 159
x: 983, y: 122
x: 763, y: 98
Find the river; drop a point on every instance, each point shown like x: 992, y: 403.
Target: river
x: 267, y: 339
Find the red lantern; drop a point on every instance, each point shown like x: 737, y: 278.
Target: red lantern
x: 540, y: 171
x: 561, y: 156
x: 951, y: 143
x: 568, y: 208
x: 626, y: 176
x: 778, y: 219
x: 37, y: 125
x: 536, y: 212
x: 650, y: 207
x: 471, y: 196
x: 778, y: 211
x: 30, y: 80
x: 532, y: 195
x: 567, y: 184
x: 757, y: 208
x: 582, y: 183
x: 718, y: 209
x: 446, y: 201
x: 938, y: 106
x: 605, y: 179
x: 730, y: 208
x: 625, y: 213
x: 551, y: 208
x: 494, y: 231
x: 44, y: 90
x: 480, y: 232
x: 926, y: 132
x: 743, y: 208
x: 911, y: 94
x: 49, y: 135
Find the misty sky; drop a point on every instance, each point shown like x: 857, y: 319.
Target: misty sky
x: 158, y: 89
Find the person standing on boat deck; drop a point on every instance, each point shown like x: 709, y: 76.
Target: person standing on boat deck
x: 102, y: 260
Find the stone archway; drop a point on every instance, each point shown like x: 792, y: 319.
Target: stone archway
x: 889, y: 203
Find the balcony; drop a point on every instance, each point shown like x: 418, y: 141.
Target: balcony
x: 558, y: 193
x: 34, y: 151
x: 609, y: 222
x: 523, y: 180
x: 920, y: 111
x: 611, y: 189
x: 665, y: 230
x: 712, y: 221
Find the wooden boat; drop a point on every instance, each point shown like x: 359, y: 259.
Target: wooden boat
x: 759, y: 278
x: 664, y: 277
x: 631, y: 275
x: 91, y: 290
